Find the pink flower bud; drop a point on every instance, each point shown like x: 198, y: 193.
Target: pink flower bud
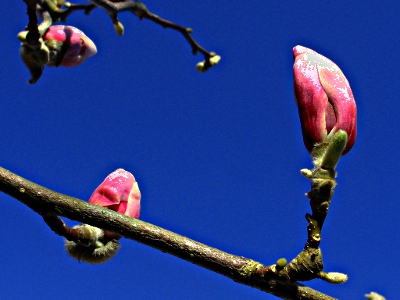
x: 69, y: 47
x: 324, y: 99
x: 118, y: 192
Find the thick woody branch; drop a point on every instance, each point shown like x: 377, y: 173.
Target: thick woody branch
x: 238, y: 268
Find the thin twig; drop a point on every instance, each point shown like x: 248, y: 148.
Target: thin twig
x: 238, y: 268
x: 140, y: 10
x: 64, y: 13
x: 183, y: 30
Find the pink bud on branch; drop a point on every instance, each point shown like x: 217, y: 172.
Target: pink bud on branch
x: 118, y: 192
x: 324, y: 99
x: 69, y: 44
x: 61, y: 46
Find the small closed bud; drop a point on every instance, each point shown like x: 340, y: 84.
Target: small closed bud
x: 22, y: 36
x: 118, y: 192
x: 324, y: 99
x: 306, y: 173
x: 281, y: 263
x: 334, y: 277
x: 374, y: 296
x: 211, y: 61
x: 200, y: 67
x: 119, y: 28
x: 215, y: 60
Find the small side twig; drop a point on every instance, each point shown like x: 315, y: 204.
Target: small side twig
x: 141, y: 11
x: 70, y: 8
x: 61, y: 9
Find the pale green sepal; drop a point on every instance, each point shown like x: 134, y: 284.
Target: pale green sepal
x: 334, y: 150
x: 46, y: 23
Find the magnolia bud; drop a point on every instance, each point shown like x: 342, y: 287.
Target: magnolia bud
x: 69, y: 47
x: 119, y: 192
x: 60, y: 46
x: 324, y: 99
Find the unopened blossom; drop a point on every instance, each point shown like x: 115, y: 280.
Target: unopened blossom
x: 324, y: 99
x: 69, y: 46
x: 119, y: 192
x: 58, y: 45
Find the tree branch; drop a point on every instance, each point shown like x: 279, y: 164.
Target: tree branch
x: 238, y: 268
x: 113, y: 7
x: 141, y: 11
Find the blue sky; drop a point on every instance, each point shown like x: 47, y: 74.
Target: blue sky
x: 217, y: 155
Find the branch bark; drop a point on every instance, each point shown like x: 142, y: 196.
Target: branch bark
x: 238, y: 268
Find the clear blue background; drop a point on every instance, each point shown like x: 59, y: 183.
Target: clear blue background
x: 217, y: 155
